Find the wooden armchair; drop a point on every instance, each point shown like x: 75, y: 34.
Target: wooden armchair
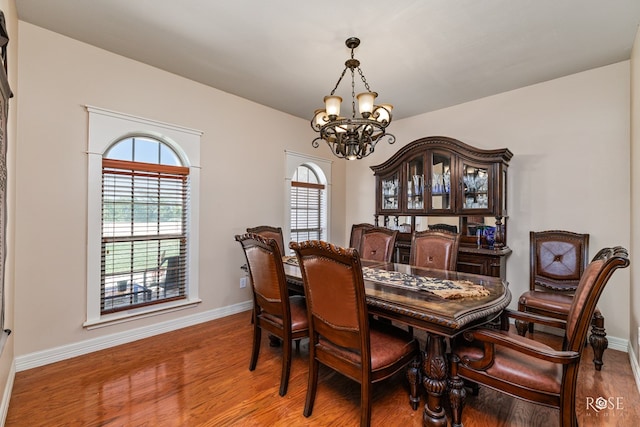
x: 557, y: 260
x: 273, y: 309
x: 378, y: 244
x: 527, y: 369
x: 434, y: 249
x: 341, y: 335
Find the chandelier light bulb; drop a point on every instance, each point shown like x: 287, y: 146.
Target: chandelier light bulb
x: 332, y: 106
x: 365, y: 103
x: 383, y: 112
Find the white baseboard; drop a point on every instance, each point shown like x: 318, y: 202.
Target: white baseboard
x: 6, y: 395
x: 635, y: 368
x: 619, y: 344
x: 614, y: 343
x: 45, y: 357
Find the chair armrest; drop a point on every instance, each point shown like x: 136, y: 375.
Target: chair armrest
x: 490, y: 337
x: 535, y: 318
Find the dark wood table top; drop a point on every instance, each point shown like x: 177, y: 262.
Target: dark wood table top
x: 423, y: 309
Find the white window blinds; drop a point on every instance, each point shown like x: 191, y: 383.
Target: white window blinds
x: 144, y: 215
x: 307, y: 211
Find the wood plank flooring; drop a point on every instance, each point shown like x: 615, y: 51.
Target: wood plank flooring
x: 199, y: 376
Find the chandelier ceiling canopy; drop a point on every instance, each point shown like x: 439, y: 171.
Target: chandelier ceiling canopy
x: 355, y: 137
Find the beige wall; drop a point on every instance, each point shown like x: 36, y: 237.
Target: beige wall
x: 570, y: 169
x: 635, y: 197
x: 242, y: 178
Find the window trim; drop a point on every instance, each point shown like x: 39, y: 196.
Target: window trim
x: 106, y: 127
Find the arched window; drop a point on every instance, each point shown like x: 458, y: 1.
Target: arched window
x: 145, y: 203
x: 142, y: 217
x: 308, y: 206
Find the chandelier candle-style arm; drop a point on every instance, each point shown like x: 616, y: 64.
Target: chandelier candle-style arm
x: 355, y: 137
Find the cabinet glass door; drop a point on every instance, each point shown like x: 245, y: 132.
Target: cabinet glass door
x: 390, y: 188
x: 440, y: 181
x: 475, y: 180
x: 415, y: 183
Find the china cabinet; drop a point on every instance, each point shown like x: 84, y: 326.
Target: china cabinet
x: 438, y: 176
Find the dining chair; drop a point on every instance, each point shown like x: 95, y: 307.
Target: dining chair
x: 270, y: 232
x: 356, y: 234
x: 434, y: 249
x: 528, y: 369
x: 446, y: 227
x: 341, y: 335
x: 173, y: 273
x: 557, y: 259
x: 274, y: 310
x: 378, y: 244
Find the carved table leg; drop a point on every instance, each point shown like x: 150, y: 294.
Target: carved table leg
x: 598, y: 339
x: 434, y: 381
x: 457, y: 393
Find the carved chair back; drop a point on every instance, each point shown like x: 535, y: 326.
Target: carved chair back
x: 434, y: 249
x: 557, y: 259
x: 357, y: 230
x: 270, y: 232
x: 266, y: 271
x: 378, y: 244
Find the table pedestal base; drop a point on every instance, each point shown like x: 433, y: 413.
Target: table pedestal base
x: 434, y: 369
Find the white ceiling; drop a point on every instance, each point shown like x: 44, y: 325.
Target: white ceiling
x: 420, y: 55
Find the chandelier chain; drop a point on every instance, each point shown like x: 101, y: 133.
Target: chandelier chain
x: 339, y: 80
x: 353, y: 94
x: 366, y: 85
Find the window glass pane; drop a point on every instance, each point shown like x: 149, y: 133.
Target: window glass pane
x: 146, y: 150
x: 168, y: 156
x: 305, y: 174
x: 123, y: 150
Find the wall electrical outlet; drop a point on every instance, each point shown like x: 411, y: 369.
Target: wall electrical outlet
x: 243, y: 282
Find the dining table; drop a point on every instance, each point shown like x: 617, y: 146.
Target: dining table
x: 441, y: 303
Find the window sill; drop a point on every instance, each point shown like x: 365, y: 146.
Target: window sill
x: 139, y: 313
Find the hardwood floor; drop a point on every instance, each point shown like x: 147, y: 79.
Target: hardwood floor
x: 199, y: 376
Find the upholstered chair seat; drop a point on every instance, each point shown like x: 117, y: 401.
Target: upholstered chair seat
x: 547, y: 301
x: 299, y: 319
x: 516, y: 368
x: 388, y: 345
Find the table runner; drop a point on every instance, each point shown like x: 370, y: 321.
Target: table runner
x: 444, y: 288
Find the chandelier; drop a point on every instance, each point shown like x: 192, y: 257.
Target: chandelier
x: 355, y: 137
